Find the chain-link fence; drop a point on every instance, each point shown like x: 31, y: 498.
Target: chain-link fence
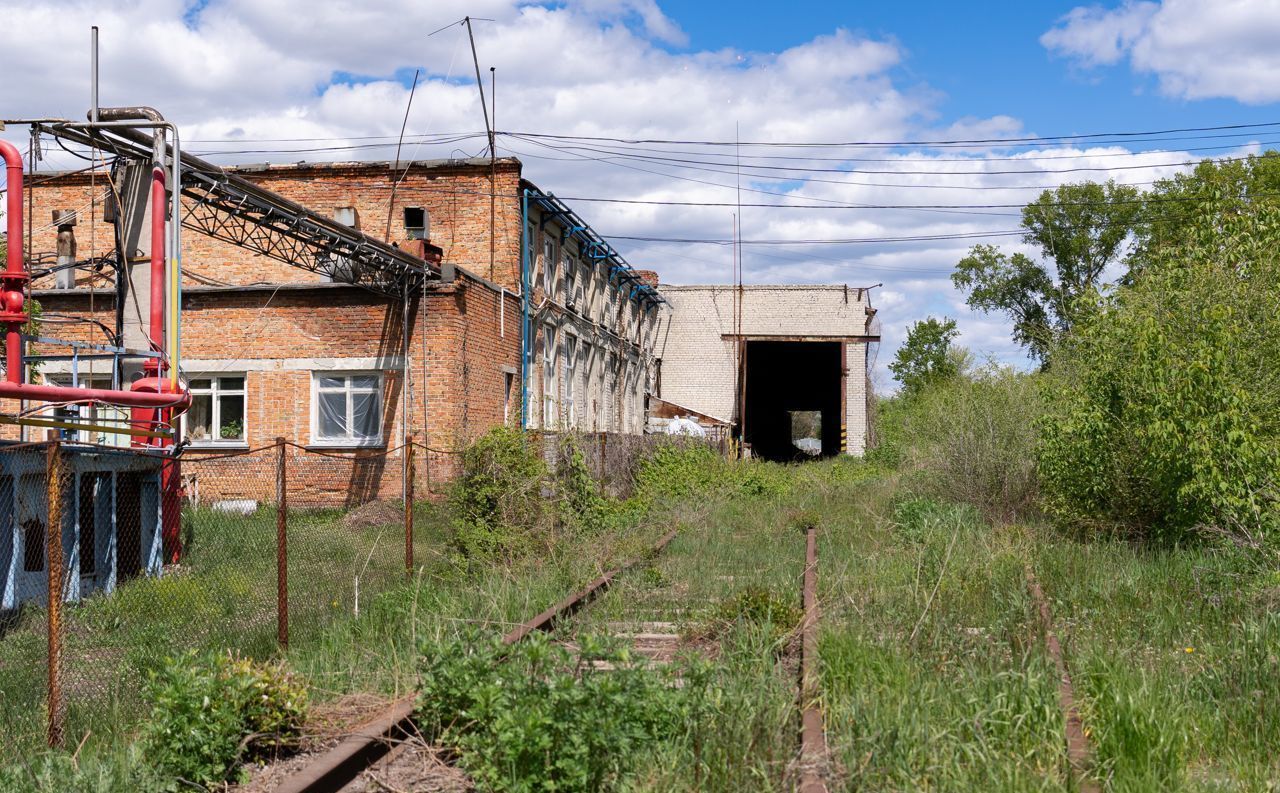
x: 243, y: 551
x: 612, y: 457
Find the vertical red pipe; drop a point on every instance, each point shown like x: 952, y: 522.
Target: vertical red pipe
x: 158, y: 204
x: 15, y: 276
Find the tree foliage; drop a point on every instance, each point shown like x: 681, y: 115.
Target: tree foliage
x: 926, y: 356
x: 1165, y: 402
x: 1079, y: 229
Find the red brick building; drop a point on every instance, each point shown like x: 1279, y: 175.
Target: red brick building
x: 272, y: 350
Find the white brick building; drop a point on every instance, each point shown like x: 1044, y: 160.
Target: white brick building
x: 769, y: 357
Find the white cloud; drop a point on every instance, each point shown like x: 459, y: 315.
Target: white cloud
x: 1197, y: 49
x: 248, y: 72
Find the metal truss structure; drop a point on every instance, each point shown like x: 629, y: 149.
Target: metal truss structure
x: 229, y: 207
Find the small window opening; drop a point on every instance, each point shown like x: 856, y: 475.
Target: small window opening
x: 415, y: 223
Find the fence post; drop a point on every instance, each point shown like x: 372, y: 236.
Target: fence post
x: 282, y: 546
x: 408, y: 509
x: 604, y: 455
x: 53, y: 562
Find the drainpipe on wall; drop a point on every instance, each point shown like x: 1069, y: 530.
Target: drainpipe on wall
x: 526, y: 343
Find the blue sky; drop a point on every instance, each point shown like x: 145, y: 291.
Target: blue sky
x: 985, y: 59
x: 241, y: 75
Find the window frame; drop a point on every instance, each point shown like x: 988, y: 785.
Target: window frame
x: 549, y: 416
x: 570, y: 279
x: 549, y: 262
x: 350, y: 442
x: 570, y: 375
x: 215, y: 409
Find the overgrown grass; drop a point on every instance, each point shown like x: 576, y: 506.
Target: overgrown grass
x: 932, y: 671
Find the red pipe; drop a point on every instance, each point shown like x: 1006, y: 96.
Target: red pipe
x: 65, y: 393
x: 15, y: 274
x: 13, y: 283
x: 158, y: 204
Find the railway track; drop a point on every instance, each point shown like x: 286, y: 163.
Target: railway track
x: 649, y: 626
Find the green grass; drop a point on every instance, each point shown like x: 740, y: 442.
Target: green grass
x: 932, y: 672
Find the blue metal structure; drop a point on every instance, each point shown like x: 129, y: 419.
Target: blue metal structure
x: 111, y: 521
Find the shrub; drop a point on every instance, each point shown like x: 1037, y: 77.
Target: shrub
x: 498, y: 506
x: 582, y: 507
x: 211, y: 713
x: 971, y: 439
x: 1165, y: 418
x: 532, y: 717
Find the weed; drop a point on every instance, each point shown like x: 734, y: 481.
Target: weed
x: 210, y: 713
x: 534, y: 718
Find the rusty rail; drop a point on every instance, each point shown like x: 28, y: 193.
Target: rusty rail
x: 813, y: 740
x: 1079, y: 754
x: 336, y: 768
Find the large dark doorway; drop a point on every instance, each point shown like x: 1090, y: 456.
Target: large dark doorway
x: 787, y: 383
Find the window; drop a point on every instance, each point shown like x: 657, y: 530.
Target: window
x: 101, y: 415
x: 508, y: 389
x: 217, y: 410
x: 570, y: 376
x: 570, y: 281
x: 611, y: 394
x: 549, y: 378
x: 347, y: 408
x: 417, y: 223
x: 549, y: 266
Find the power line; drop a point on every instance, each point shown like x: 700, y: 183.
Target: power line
x: 902, y: 143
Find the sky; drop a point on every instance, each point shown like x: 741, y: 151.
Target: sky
x: 290, y: 80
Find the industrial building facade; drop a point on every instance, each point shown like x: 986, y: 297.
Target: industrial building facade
x: 782, y: 363
x: 535, y: 322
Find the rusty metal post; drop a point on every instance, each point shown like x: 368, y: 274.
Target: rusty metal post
x: 408, y: 509
x: 604, y: 455
x: 282, y: 546
x: 53, y: 563
x: 813, y: 741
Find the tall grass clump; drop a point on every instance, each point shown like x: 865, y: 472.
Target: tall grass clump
x: 970, y: 439
x: 1164, y: 418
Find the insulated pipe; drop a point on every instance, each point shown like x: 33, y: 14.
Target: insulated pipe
x: 158, y: 206
x: 15, y: 274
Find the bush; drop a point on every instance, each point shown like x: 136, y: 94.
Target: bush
x: 211, y: 713
x: 970, y: 439
x: 1165, y: 420
x: 498, y: 505
x: 582, y: 507
x: 532, y: 717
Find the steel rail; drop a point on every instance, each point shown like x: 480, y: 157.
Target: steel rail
x: 813, y: 739
x: 1079, y: 753
x: 338, y: 767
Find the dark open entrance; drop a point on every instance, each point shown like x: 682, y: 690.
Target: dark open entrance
x: 788, y: 381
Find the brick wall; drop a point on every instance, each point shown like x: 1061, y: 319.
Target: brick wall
x: 456, y: 196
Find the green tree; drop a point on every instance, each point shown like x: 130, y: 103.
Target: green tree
x: 1079, y: 229
x: 1164, y: 403
x: 926, y: 356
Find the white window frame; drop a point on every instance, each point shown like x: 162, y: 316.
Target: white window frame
x: 570, y: 280
x: 214, y: 391
x: 549, y: 266
x: 549, y: 417
x: 348, y: 442
x: 570, y: 372
x: 92, y: 413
